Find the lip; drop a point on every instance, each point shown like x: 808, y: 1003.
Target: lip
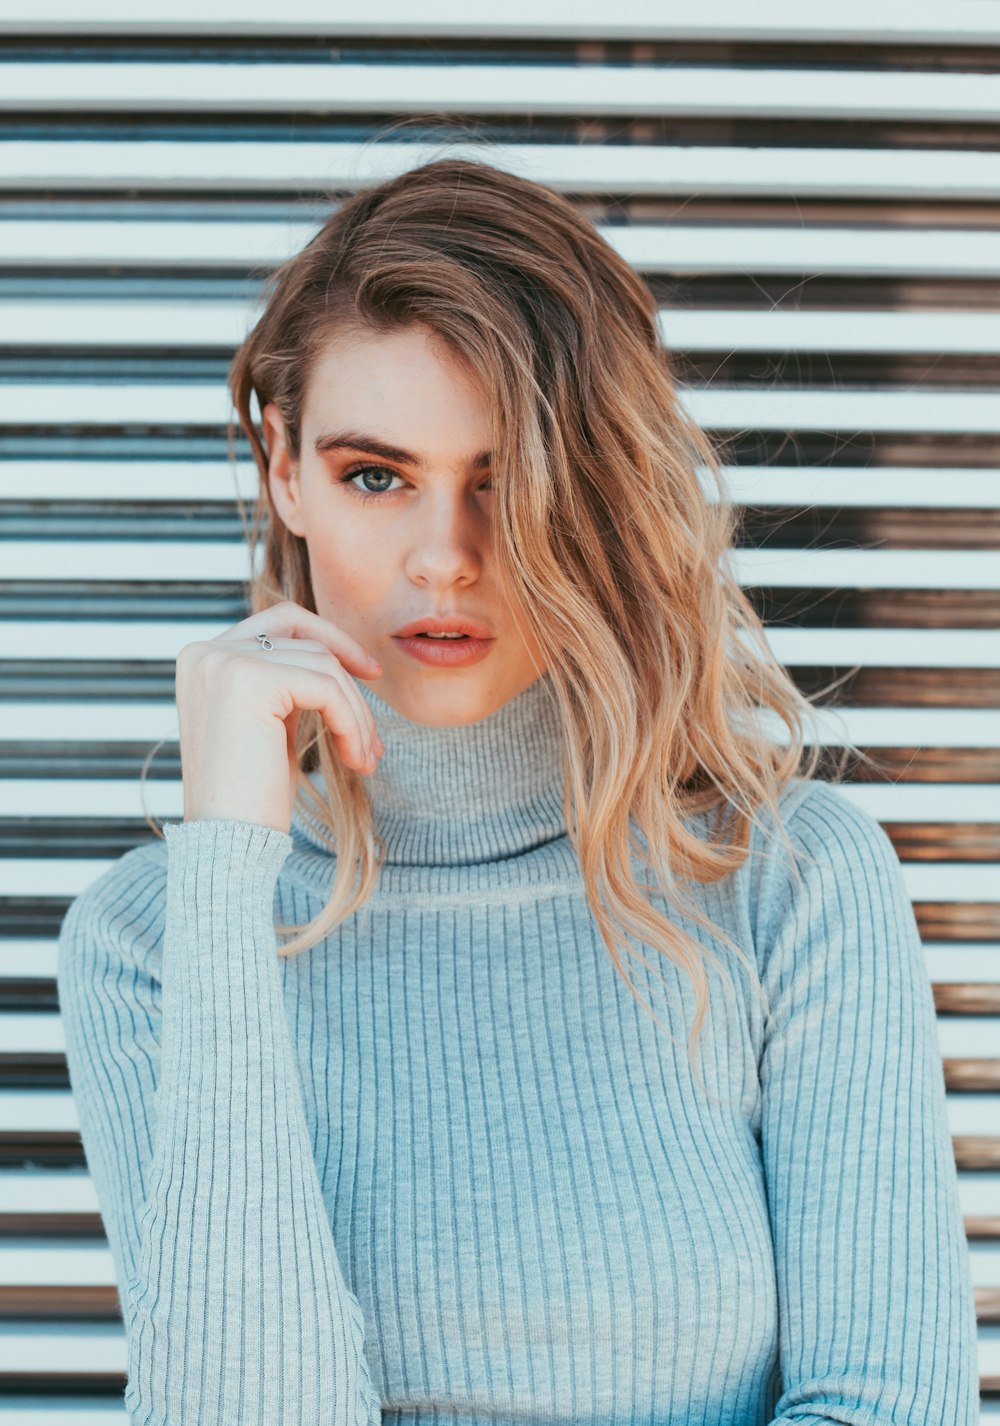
x: 450, y: 624
x: 445, y: 653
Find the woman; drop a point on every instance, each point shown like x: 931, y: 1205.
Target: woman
x: 439, y: 1156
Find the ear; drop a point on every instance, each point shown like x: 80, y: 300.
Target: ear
x: 282, y: 471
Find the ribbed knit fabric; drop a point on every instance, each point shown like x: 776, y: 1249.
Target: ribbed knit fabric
x: 443, y: 1167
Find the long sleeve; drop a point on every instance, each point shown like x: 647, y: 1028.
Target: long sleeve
x: 876, y: 1308
x: 194, y: 1129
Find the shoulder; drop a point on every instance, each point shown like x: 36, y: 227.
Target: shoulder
x: 824, y: 824
x: 120, y: 915
x: 842, y: 866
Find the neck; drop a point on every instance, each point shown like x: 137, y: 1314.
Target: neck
x: 456, y: 796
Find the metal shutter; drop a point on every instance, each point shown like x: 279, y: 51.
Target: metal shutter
x: 816, y: 203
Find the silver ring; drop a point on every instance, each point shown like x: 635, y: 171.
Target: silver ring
x: 265, y: 642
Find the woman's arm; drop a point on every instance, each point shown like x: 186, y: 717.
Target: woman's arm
x: 192, y: 1120
x: 875, y: 1295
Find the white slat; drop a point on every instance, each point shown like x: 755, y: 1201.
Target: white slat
x: 69, y: 798
x: 192, y: 324
x: 98, y: 1347
x: 940, y: 174
x: 924, y: 802
x: 715, y: 91
x: 870, y: 569
x: 211, y: 560
x: 127, y: 722
x: 951, y: 964
x: 970, y: 1113
x: 959, y: 1037
x: 55, y: 1110
x: 149, y: 722
x: 950, y: 488
x: 947, y: 964
x: 888, y: 648
x: 47, y: 404
x: 932, y: 332
x: 64, y: 799
x: 938, y: 487
x: 68, y: 876
x: 681, y: 247
x: 129, y: 640
x: 51, y: 1262
x: 36, y: 1190
x: 961, y: 22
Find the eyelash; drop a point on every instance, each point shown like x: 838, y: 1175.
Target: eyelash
x: 369, y: 495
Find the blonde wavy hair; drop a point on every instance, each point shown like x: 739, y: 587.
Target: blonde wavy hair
x: 614, y: 557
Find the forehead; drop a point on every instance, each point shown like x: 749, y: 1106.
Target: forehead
x: 405, y: 381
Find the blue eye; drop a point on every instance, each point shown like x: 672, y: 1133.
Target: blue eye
x: 352, y: 475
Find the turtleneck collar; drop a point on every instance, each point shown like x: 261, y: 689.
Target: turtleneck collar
x: 461, y: 796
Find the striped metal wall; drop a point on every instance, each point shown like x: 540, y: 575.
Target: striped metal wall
x: 817, y: 205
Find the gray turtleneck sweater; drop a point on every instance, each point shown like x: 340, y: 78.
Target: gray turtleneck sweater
x: 443, y: 1168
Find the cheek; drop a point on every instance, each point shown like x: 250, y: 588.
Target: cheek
x: 347, y: 574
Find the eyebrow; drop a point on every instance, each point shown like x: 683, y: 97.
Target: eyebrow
x: 361, y: 441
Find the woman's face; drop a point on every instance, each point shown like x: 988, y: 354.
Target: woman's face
x: 396, y: 413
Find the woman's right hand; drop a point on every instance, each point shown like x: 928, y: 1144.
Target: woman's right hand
x: 239, y: 704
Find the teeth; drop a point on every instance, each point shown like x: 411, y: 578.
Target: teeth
x: 444, y: 636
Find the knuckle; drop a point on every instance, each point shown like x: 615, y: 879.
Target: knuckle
x: 189, y: 654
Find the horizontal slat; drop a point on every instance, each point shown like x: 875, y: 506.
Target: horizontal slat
x: 962, y: 1037
x: 682, y: 248
x: 925, y: 802
x: 191, y: 324
x: 885, y: 648
x: 191, y: 482
x: 964, y: 22
x: 97, y: 324
x: 91, y: 1349
x: 218, y: 481
x: 97, y: 1348
x: 54, y: 1262
x: 90, y: 1410
x: 44, y: 1262
x: 714, y: 91
x: 938, y: 488
x: 55, y: 1111
x: 917, y: 550
x: 946, y: 965
x: 33, y: 1191
x: 71, y: 797
x: 931, y: 332
x: 893, y: 610
x: 208, y: 560
x: 67, y: 876
x: 291, y: 167
x: 93, y: 1411
x: 83, y: 404
x: 967, y: 1113
x: 959, y: 1037
x: 949, y: 488
x: 63, y: 720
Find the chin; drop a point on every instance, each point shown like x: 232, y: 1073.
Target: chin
x: 446, y: 704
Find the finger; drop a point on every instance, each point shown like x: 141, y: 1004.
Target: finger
x: 356, y: 737
x: 324, y: 693
x: 291, y: 620
x: 324, y: 661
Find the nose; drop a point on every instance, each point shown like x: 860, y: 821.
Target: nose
x: 448, y: 540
